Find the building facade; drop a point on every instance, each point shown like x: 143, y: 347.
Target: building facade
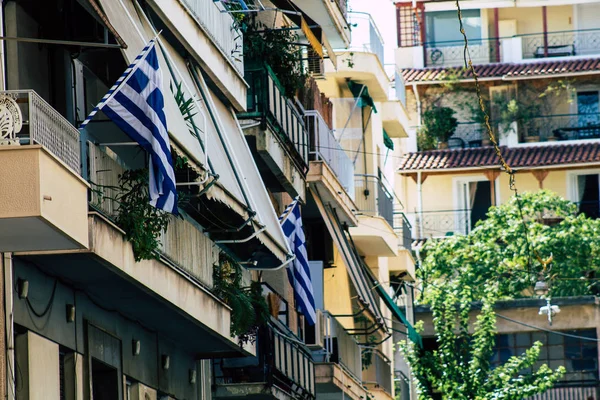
x: 105, y: 299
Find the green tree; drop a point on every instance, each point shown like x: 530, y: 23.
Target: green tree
x: 508, y: 249
x: 460, y: 368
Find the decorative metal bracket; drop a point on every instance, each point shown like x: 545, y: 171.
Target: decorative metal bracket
x: 11, y: 121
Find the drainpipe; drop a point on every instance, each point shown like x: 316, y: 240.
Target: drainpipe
x: 420, y: 202
x: 8, y: 326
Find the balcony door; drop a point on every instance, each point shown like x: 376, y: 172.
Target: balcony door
x: 588, y: 106
x: 587, y: 193
x: 473, y: 199
x: 587, y: 28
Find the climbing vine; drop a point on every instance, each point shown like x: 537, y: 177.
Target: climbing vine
x: 249, y: 309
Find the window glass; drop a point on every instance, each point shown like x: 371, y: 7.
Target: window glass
x: 443, y: 29
x: 578, y: 355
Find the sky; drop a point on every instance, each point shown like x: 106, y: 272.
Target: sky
x: 384, y: 14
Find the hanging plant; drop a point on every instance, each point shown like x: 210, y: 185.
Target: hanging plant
x: 249, y: 309
x: 276, y: 48
x: 142, y: 223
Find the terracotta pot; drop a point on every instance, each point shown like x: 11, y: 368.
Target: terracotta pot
x: 532, y: 139
x: 486, y: 142
x: 442, y: 145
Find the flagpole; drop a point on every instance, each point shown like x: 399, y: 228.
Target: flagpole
x: 120, y: 82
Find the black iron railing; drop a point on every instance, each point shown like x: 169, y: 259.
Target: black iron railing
x: 403, y: 229
x: 267, y: 101
x: 561, y: 43
x: 282, y: 361
x: 372, y: 197
x: 451, y: 53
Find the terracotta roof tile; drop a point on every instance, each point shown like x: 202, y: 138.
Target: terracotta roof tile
x: 549, y: 68
x: 516, y: 157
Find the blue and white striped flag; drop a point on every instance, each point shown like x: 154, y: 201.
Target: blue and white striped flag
x: 135, y: 104
x: 299, y: 271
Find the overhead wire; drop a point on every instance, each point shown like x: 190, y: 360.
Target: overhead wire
x: 502, y: 161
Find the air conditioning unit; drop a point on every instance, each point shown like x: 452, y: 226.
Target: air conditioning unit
x: 316, y: 67
x: 319, y: 333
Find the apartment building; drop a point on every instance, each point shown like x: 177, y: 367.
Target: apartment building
x: 87, y: 315
x: 97, y: 308
x: 570, y: 342
x: 537, y: 65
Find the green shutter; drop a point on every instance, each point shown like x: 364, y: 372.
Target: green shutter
x: 365, y: 98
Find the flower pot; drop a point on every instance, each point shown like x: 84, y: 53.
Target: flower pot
x: 532, y: 139
x: 552, y: 138
x: 486, y: 142
x: 442, y: 145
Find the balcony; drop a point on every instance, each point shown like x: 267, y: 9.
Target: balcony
x: 194, y: 258
x: 582, y: 42
x: 283, y: 369
x: 540, y: 129
x: 375, y: 207
x: 338, y: 367
x: 331, y: 170
x: 220, y: 26
x: 362, y: 62
x: 43, y: 200
x: 280, y: 140
x: 332, y: 16
x: 568, y: 393
x: 441, y: 223
x: 378, y: 376
x: 404, y: 262
x: 534, y: 46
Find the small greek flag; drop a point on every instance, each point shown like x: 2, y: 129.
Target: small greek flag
x: 299, y: 271
x: 135, y: 104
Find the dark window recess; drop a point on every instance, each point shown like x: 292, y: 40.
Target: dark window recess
x: 589, y: 195
x: 105, y: 381
x: 481, y: 202
x: 578, y: 355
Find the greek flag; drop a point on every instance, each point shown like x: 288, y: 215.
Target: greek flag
x: 135, y: 104
x: 299, y: 271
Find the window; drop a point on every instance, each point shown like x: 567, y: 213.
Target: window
x: 474, y: 200
x: 442, y: 27
x: 105, y: 381
x: 587, y: 194
x: 588, y: 106
x: 577, y: 355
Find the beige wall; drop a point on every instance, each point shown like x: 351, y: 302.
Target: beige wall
x: 570, y: 317
x: 529, y: 20
x: 438, y: 190
x: 337, y: 288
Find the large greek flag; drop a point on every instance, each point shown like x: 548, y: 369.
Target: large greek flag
x: 299, y: 271
x: 136, y: 105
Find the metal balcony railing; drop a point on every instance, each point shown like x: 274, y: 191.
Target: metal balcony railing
x: 293, y: 361
x: 379, y: 372
x: 568, y: 393
x: 266, y: 100
x: 324, y: 147
x: 220, y: 27
x: 340, y: 347
x: 561, y: 127
x: 468, y: 134
x: 561, y: 43
x: 42, y: 124
x: 451, y: 53
x: 195, y: 256
x: 403, y: 229
x: 365, y: 35
x: 441, y: 223
x: 372, y: 197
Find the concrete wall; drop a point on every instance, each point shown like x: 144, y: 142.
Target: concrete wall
x: 53, y: 326
x: 38, y: 362
x: 529, y: 20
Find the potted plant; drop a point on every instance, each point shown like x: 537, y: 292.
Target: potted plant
x: 440, y: 123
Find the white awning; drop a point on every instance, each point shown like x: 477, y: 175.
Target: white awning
x: 136, y: 31
x: 355, y: 272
